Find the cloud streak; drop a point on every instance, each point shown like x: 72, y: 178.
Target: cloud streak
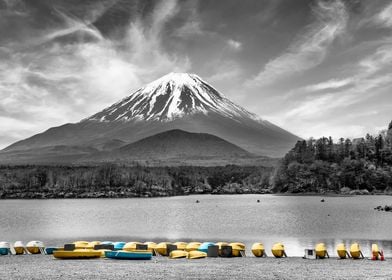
x: 310, y: 48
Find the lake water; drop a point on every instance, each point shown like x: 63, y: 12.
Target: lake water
x: 297, y: 221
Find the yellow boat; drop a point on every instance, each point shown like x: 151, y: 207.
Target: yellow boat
x: 35, y: 247
x: 19, y: 248
x: 196, y: 255
x: 258, y: 250
x: 341, y: 250
x: 178, y: 254
x: 355, y: 251
x: 220, y: 244
x: 278, y: 250
x: 237, y: 249
x: 180, y: 245
x: 162, y: 248
x: 151, y: 246
x: 131, y: 246
x: 192, y: 246
x: 81, y: 244
x: 77, y: 254
x: 90, y: 245
x: 321, y: 251
x: 377, y: 254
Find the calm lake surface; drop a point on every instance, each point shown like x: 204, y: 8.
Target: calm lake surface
x: 297, y: 221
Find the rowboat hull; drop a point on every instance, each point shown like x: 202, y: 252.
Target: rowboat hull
x: 4, y: 251
x: 19, y: 250
x: 355, y: 251
x: 33, y: 250
x: 278, y: 250
x: 77, y: 254
x: 341, y: 250
x: 192, y: 246
x: 237, y: 248
x: 178, y: 254
x: 321, y: 251
x: 258, y: 249
x: 204, y: 246
x: 196, y: 255
x: 162, y: 248
x: 181, y: 245
x: 129, y: 255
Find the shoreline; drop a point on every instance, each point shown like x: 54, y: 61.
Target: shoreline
x: 46, y: 267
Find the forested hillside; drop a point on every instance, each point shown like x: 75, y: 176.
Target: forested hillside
x: 322, y: 165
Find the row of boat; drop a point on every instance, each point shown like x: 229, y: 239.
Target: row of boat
x: 191, y: 250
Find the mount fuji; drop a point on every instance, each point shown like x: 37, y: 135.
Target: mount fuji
x: 176, y: 101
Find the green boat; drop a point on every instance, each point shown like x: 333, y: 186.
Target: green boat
x: 129, y: 255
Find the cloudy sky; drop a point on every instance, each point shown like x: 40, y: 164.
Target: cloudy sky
x: 312, y: 67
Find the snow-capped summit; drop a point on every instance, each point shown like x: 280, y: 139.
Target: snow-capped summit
x: 170, y: 97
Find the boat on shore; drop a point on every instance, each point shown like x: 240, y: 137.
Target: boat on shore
x: 258, y: 250
x: 278, y: 250
x: 178, y: 254
x: 161, y: 248
x: 35, y: 247
x: 321, y: 251
x: 355, y: 251
x: 238, y: 249
x: 196, y: 255
x: 5, y: 248
x: 192, y: 246
x: 180, y: 245
x: 204, y: 246
x: 129, y: 255
x: 77, y: 254
x: 19, y: 248
x: 220, y: 244
x: 342, y: 251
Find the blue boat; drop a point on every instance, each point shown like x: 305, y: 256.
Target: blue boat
x: 129, y: 255
x: 50, y: 250
x: 204, y: 246
x: 5, y: 248
x: 118, y: 245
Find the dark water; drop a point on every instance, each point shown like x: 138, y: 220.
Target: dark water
x: 298, y: 222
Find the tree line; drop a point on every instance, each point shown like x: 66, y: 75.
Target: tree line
x: 111, y: 180
x: 348, y: 165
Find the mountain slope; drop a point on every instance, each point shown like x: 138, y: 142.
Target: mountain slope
x: 173, y: 145
x: 175, y: 101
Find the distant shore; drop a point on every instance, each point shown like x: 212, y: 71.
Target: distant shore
x: 46, y: 267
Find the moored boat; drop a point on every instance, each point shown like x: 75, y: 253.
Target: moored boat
x: 192, y: 246
x: 19, y: 248
x: 5, y: 248
x: 129, y: 255
x: 131, y: 246
x: 238, y: 249
x: 35, y: 247
x: 377, y: 254
x: 220, y: 244
x: 91, y: 245
x: 77, y: 254
x: 50, y: 250
x: 81, y: 244
x: 178, y: 254
x: 180, y: 245
x: 119, y: 245
x: 258, y: 249
x: 204, y: 246
x: 321, y: 251
x: 342, y: 251
x: 278, y: 250
x: 196, y: 255
x: 162, y: 248
x: 151, y: 246
x: 355, y: 251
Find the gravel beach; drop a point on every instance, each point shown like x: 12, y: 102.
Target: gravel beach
x: 46, y: 267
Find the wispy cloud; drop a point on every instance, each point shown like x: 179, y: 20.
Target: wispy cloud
x: 236, y: 45
x: 310, y: 48
x: 384, y: 18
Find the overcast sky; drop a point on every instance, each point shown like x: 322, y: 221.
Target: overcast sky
x: 312, y: 67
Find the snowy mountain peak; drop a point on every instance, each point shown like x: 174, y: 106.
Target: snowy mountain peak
x: 170, y: 97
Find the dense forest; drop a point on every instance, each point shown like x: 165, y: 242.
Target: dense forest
x: 130, y: 181
x: 358, y: 166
